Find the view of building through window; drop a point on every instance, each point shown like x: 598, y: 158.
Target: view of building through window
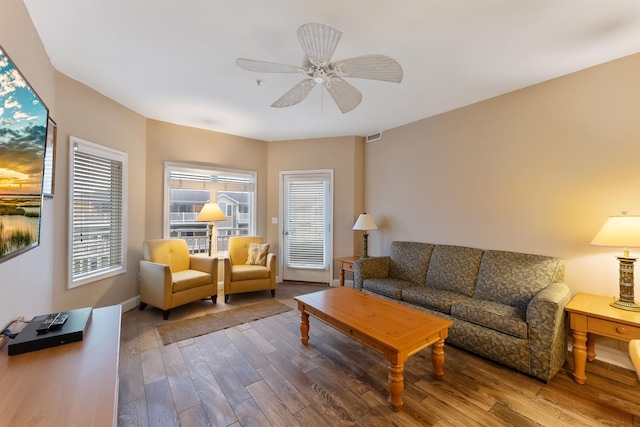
x: 190, y: 189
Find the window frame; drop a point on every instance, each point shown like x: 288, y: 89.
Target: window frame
x: 75, y: 145
x: 204, y: 169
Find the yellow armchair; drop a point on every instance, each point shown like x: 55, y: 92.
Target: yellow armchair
x: 240, y: 277
x: 170, y: 276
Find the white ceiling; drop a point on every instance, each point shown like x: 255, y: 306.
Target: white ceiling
x: 174, y: 60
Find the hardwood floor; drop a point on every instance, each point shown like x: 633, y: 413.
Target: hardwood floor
x: 259, y: 374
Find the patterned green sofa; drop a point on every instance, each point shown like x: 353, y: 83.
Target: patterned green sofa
x: 505, y: 306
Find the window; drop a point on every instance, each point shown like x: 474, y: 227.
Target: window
x: 189, y: 187
x: 97, y: 205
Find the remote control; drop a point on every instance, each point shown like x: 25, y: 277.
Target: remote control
x: 59, y: 321
x: 47, y: 322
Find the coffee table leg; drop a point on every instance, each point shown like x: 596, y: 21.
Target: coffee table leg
x: 304, y: 327
x: 437, y: 359
x: 396, y: 385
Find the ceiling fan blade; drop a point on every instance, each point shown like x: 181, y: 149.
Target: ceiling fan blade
x: 295, y: 94
x: 374, y: 67
x: 318, y: 42
x: 267, y: 67
x: 346, y: 96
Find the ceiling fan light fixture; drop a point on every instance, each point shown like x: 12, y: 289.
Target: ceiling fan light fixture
x: 319, y: 42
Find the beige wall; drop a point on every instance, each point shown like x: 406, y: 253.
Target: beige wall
x: 83, y: 113
x: 538, y: 170
x: 36, y: 282
x: 180, y: 144
x: 344, y: 156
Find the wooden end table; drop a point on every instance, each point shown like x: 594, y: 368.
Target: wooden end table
x: 591, y: 315
x: 346, y: 264
x: 391, y: 329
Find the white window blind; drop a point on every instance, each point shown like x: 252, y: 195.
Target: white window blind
x: 306, y: 224
x: 98, y: 195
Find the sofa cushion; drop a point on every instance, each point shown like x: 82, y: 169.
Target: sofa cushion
x: 187, y: 279
x: 454, y: 269
x: 513, y: 278
x: 387, y: 286
x: 435, y: 299
x: 503, y: 318
x: 409, y: 261
x: 248, y: 272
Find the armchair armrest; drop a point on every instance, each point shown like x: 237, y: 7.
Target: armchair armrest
x: 227, y: 272
x: 205, y: 264
x: 155, y: 283
x: 271, y: 266
x: 369, y: 268
x: 547, y: 335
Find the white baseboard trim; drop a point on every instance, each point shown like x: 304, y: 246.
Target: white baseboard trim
x: 130, y: 304
x: 336, y: 283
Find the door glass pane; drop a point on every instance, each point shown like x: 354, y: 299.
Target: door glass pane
x: 306, y: 224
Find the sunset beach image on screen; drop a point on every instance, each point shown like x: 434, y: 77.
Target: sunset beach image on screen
x: 23, y: 132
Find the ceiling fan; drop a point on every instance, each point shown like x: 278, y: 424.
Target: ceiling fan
x: 318, y: 42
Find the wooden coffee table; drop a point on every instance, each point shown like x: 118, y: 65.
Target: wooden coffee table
x: 391, y: 329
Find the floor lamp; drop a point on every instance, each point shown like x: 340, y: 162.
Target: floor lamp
x: 211, y: 213
x: 366, y: 223
x: 622, y: 232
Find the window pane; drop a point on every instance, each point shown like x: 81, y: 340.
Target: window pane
x: 190, y: 187
x: 97, y: 206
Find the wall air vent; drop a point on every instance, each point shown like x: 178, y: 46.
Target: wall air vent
x: 374, y: 137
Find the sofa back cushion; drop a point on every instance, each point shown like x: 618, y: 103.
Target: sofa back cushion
x: 409, y: 261
x: 513, y: 278
x: 454, y: 269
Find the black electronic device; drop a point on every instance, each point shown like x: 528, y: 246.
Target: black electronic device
x: 50, y: 330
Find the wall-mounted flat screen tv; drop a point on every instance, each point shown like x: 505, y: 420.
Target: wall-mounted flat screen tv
x: 23, y: 135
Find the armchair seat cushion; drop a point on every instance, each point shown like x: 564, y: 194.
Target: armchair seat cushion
x: 435, y: 299
x: 188, y: 279
x: 248, y: 272
x: 502, y: 318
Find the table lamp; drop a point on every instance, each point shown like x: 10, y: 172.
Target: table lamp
x: 366, y: 223
x: 211, y: 212
x: 623, y: 232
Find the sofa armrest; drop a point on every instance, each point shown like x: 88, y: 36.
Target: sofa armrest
x: 369, y: 268
x: 155, y: 284
x: 547, y: 335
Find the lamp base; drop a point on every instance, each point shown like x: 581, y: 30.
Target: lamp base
x: 627, y: 300
x: 623, y: 305
x: 365, y: 244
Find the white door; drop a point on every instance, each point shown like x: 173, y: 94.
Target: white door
x: 306, y: 225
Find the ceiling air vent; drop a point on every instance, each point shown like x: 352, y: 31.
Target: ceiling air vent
x: 374, y: 137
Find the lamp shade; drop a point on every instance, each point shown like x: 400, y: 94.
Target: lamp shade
x: 211, y: 212
x: 365, y: 222
x: 619, y: 231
